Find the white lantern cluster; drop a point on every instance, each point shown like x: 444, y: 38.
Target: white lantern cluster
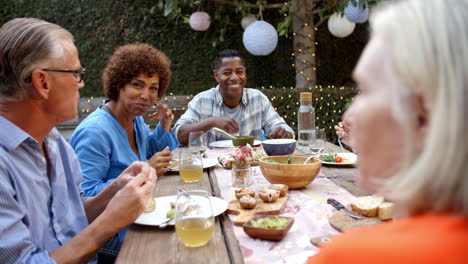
x: 260, y: 38
x: 339, y: 26
x: 247, y: 20
x: 199, y: 21
x: 356, y: 14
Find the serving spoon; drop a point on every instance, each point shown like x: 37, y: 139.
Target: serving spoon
x: 224, y: 132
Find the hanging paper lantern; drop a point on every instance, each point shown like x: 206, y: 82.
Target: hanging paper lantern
x: 199, y: 21
x: 260, y: 38
x: 356, y: 14
x: 247, y: 20
x: 340, y: 26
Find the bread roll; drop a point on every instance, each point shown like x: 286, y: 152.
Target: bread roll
x: 282, y: 188
x: 247, y: 202
x: 150, y: 205
x: 367, y: 205
x: 269, y: 195
x: 385, y: 211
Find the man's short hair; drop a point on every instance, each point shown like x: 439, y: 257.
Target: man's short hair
x: 227, y: 54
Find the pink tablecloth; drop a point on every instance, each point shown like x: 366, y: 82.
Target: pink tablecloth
x: 308, y: 207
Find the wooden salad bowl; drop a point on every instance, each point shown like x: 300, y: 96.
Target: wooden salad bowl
x: 296, y: 175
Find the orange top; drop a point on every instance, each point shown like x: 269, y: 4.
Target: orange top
x: 432, y: 238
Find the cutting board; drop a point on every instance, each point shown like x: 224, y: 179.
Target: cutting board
x: 244, y: 215
x: 341, y: 221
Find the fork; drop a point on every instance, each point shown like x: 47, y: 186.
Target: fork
x: 340, y: 142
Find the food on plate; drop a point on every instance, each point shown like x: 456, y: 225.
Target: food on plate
x: 170, y: 213
x: 269, y: 195
x: 335, y: 158
x: 150, y: 205
x: 247, y: 202
x: 385, y: 211
x: 270, y: 222
x: 367, y: 205
x: 328, y: 157
x: 282, y: 188
x: 244, y: 191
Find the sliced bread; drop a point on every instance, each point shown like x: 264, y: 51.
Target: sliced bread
x: 150, y: 205
x: 367, y: 205
x: 385, y: 211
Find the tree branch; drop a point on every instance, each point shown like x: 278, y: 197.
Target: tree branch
x: 229, y: 2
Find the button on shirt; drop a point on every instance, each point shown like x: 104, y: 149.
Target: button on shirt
x: 257, y: 113
x: 37, y: 215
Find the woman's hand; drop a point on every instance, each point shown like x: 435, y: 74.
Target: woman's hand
x: 164, y: 114
x: 160, y: 161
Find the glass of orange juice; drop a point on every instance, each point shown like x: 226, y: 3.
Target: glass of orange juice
x: 194, y: 220
x: 190, y: 165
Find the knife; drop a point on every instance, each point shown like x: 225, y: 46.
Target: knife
x: 340, y: 207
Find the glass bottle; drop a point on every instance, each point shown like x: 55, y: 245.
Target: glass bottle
x: 306, y: 121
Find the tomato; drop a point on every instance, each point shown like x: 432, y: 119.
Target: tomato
x: 338, y: 159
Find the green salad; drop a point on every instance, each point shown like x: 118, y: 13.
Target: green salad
x: 289, y: 161
x: 270, y: 222
x: 328, y: 157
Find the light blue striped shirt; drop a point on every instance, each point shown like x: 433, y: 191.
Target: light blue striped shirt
x: 257, y: 113
x: 37, y: 215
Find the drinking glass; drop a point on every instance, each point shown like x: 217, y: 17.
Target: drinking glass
x: 194, y: 220
x: 190, y: 165
x: 320, y: 143
x: 197, y: 141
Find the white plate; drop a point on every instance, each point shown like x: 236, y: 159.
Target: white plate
x: 163, y: 204
x: 228, y: 144
x: 207, y: 163
x: 350, y: 156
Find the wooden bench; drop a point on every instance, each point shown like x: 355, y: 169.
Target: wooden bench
x: 177, y: 103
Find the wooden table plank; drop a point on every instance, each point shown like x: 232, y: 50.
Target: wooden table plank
x: 147, y: 244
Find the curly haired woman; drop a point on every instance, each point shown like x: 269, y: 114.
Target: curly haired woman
x: 115, y: 134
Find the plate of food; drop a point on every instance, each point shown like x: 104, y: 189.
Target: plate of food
x: 164, y: 204
x: 340, y: 159
x: 228, y: 144
x: 207, y: 163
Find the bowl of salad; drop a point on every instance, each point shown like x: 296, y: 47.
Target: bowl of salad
x: 290, y: 170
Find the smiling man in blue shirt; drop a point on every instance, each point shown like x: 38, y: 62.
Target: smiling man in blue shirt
x: 44, y: 217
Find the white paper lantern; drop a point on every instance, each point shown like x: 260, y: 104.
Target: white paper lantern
x: 356, y: 14
x: 199, y: 21
x: 247, y: 20
x: 340, y: 26
x: 260, y: 38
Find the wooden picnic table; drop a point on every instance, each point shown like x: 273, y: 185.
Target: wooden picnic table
x: 149, y: 244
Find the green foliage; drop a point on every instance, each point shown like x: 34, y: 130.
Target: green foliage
x: 101, y: 26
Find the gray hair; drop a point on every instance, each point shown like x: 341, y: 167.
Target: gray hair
x: 26, y: 44
x: 428, y: 47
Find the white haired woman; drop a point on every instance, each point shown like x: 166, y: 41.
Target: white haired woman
x: 409, y: 127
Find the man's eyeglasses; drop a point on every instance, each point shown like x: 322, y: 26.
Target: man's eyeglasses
x: 79, y: 74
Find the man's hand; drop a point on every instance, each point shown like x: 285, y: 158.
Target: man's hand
x: 129, y: 202
x: 164, y: 114
x: 279, y: 132
x: 160, y: 161
x: 227, y: 124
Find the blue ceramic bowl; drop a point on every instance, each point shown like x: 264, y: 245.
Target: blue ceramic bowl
x: 279, y: 147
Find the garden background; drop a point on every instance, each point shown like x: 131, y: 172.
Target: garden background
x: 101, y: 26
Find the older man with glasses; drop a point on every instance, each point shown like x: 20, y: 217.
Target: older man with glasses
x: 44, y: 217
